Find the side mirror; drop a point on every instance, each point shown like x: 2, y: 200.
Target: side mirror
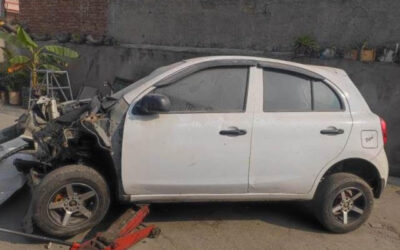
x: 152, y: 104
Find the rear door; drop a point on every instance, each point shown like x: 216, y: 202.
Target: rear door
x: 300, y: 126
x: 202, y: 146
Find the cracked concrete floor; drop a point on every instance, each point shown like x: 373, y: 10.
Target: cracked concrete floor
x: 286, y: 225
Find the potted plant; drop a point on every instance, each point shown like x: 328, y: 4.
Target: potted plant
x: 306, y: 46
x: 14, y: 84
x: 329, y: 53
x: 14, y: 94
x: 78, y: 38
x: 367, y: 54
x: 33, y: 57
x: 351, y: 54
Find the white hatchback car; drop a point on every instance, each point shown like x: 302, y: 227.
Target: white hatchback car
x: 229, y: 128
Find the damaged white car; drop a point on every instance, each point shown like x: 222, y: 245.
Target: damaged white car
x: 225, y: 128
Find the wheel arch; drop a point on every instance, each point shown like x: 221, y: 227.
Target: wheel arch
x: 99, y: 159
x: 359, y: 167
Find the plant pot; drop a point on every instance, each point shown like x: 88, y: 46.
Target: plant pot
x: 368, y: 55
x: 3, y: 97
x: 14, y: 97
x: 351, y: 55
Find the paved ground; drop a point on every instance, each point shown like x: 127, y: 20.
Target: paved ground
x: 8, y: 114
x: 234, y: 225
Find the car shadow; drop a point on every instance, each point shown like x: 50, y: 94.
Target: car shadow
x: 293, y: 215
x: 12, y: 213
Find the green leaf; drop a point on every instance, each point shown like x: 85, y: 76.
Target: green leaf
x: 19, y: 60
x: 11, y: 39
x: 50, y: 67
x: 62, y: 51
x: 25, y: 38
x: 52, y: 59
x: 50, y: 56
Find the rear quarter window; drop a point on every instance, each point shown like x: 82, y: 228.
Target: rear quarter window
x: 286, y: 92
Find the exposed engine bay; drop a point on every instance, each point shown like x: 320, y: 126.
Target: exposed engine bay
x: 52, y: 135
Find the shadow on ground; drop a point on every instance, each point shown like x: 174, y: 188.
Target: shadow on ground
x: 293, y: 215
x: 12, y: 213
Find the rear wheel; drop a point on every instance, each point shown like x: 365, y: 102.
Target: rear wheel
x: 343, y: 202
x: 70, y: 200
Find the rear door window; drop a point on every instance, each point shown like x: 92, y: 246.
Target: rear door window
x: 291, y: 92
x: 286, y: 92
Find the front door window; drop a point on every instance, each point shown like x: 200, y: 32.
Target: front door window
x: 214, y: 90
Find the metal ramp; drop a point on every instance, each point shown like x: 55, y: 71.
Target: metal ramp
x: 56, y: 84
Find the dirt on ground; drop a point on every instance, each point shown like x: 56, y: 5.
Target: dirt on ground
x: 277, y: 225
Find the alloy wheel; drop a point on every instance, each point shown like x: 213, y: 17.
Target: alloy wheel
x: 72, y: 204
x: 349, y: 205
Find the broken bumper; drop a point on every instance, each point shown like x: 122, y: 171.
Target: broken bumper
x: 11, y: 180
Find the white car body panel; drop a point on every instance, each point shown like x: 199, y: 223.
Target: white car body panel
x: 184, y: 153
x: 288, y: 149
x: 163, y: 157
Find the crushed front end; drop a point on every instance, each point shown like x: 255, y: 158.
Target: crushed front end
x: 52, y: 135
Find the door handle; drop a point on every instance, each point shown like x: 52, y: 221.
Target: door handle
x: 233, y: 131
x: 332, y: 131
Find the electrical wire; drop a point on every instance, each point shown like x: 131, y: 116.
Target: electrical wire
x: 97, y: 137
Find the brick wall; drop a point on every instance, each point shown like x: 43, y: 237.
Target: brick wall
x: 59, y: 16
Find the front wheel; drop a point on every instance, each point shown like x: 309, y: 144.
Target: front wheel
x: 343, y: 202
x: 70, y: 200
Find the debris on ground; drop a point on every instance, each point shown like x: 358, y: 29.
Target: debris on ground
x: 122, y: 234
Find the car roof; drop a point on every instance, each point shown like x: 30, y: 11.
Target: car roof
x: 325, y: 72
x: 335, y: 76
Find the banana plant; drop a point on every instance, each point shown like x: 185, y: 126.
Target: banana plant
x: 33, y: 57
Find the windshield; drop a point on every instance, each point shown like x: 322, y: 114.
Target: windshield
x: 142, y: 81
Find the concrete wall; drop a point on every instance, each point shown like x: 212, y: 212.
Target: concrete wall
x: 99, y: 64
x: 256, y: 24
x: 378, y: 82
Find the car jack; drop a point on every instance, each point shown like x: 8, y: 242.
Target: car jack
x: 122, y: 234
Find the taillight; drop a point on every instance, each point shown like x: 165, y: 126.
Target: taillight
x: 384, y: 130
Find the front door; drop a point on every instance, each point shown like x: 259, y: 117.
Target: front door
x: 201, y: 146
x: 301, y: 125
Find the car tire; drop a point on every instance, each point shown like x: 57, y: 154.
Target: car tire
x: 343, y: 202
x: 70, y: 200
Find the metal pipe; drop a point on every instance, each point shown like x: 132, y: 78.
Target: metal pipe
x: 37, y: 237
